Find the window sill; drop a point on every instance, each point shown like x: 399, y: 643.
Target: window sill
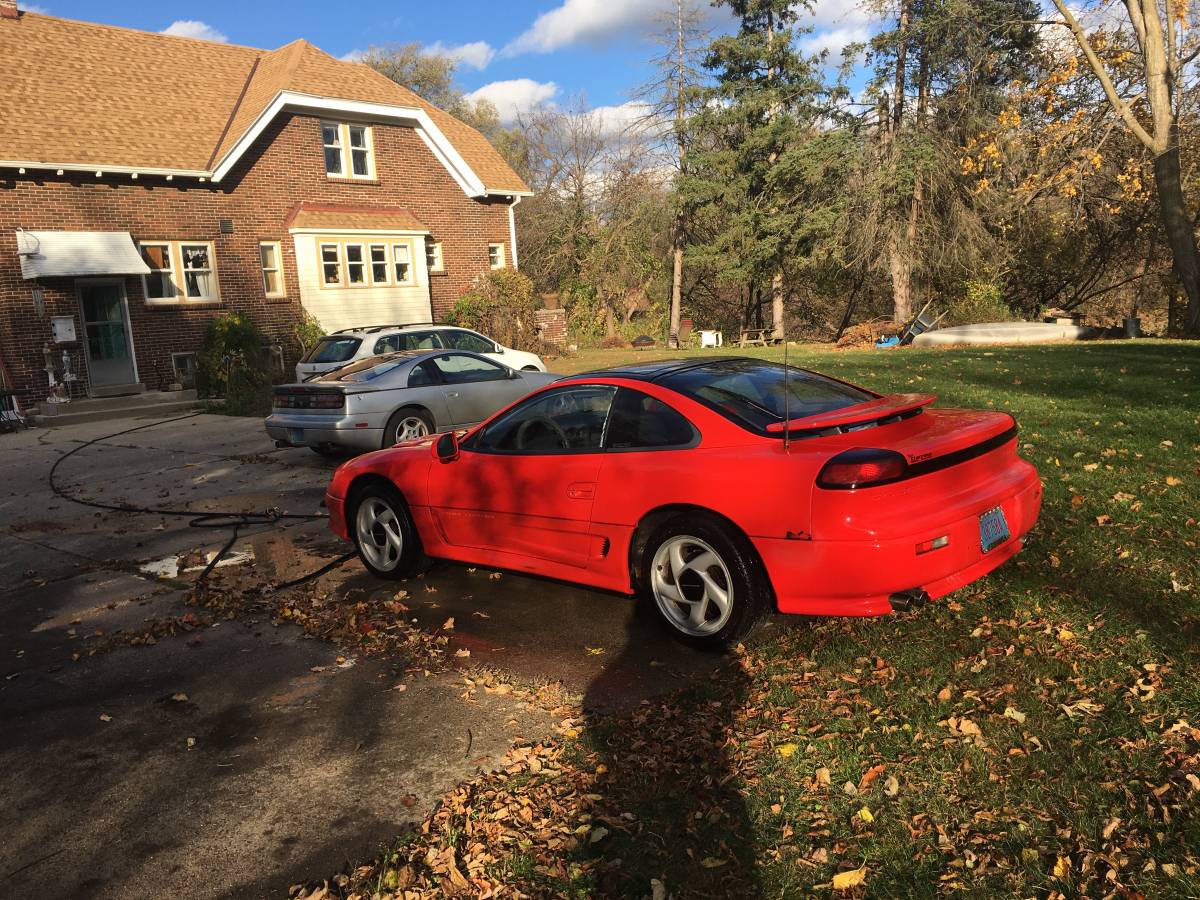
x: 438, y: 273
x: 180, y: 302
x: 342, y: 179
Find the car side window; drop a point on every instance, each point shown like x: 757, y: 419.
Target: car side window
x: 458, y: 368
x: 466, y: 340
x: 420, y: 340
x: 567, y: 420
x: 639, y: 421
x: 424, y: 375
x: 389, y: 344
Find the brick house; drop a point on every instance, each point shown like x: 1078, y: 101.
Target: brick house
x: 149, y: 183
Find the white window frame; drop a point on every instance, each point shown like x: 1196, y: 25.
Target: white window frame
x: 410, y: 277
x: 211, y: 270
x: 346, y: 150
x: 277, y: 249
x: 339, y: 145
x: 362, y: 261
x: 336, y: 245
x: 499, y: 258
x: 179, y: 274
x: 386, y: 263
x: 175, y: 295
x: 434, y: 260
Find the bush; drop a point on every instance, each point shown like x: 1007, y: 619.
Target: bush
x: 500, y: 305
x: 233, y: 364
x: 982, y: 301
x: 307, y: 331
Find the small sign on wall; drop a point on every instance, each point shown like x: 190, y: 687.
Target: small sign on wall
x: 63, y: 329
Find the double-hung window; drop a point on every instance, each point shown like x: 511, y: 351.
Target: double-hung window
x: 379, y: 264
x: 496, y: 256
x: 270, y: 257
x: 160, y: 283
x: 331, y: 264
x: 199, y: 279
x: 349, y: 150
x: 402, y: 259
x: 433, y: 256
x: 356, y: 266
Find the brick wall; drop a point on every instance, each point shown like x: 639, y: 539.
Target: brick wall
x: 552, y: 326
x: 285, y: 167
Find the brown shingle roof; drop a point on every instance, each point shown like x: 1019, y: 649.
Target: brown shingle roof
x: 81, y: 93
x: 345, y: 217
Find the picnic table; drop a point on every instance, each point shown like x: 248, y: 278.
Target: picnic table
x: 758, y: 337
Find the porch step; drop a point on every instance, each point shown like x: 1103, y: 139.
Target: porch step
x: 155, y: 404
x: 118, y: 390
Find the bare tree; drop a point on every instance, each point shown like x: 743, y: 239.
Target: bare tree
x: 1163, y: 56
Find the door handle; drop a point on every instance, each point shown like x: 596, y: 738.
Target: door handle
x: 452, y: 394
x: 582, y: 490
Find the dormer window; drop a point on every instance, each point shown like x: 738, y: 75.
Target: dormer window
x: 348, y: 150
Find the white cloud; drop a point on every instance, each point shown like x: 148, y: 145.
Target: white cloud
x: 33, y: 8
x: 834, y: 40
x: 516, y: 96
x: 353, y: 56
x: 579, y: 21
x: 192, y: 28
x: 477, y: 54
x: 621, y: 117
x: 837, y: 14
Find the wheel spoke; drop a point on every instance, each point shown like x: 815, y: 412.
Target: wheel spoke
x: 698, y: 616
x: 678, y: 563
x: 714, y: 592
x: 685, y: 560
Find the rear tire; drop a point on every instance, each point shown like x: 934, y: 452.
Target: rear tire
x: 530, y: 369
x: 406, y: 424
x: 384, y: 534
x: 704, y: 580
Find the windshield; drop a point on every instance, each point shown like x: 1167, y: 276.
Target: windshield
x: 751, y: 392
x: 333, y: 350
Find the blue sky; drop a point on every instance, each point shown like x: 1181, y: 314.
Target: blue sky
x: 517, y: 53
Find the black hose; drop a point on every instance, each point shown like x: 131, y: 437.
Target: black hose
x: 214, y: 519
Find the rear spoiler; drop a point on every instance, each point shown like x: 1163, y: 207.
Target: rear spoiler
x: 883, y: 408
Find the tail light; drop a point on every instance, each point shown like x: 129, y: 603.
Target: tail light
x: 302, y: 399
x: 862, y: 468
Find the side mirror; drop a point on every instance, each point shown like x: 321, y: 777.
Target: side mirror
x: 445, y: 448
x: 498, y: 349
x: 513, y: 373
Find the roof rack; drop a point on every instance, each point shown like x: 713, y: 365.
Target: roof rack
x: 374, y: 329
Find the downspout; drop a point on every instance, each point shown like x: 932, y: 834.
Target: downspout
x: 512, y: 232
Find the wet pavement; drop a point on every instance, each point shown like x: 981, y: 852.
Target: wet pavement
x: 238, y: 759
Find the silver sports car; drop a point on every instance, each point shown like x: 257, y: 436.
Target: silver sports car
x: 379, y: 401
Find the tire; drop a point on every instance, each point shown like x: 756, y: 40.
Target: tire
x: 407, y: 421
x: 682, y: 594
x: 384, y: 534
x: 530, y: 369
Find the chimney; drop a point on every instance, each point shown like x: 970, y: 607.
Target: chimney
x: 8, y: 9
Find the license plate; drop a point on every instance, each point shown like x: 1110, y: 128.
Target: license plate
x: 296, y: 435
x: 993, y: 529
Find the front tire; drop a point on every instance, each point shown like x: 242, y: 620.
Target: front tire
x: 384, y: 534
x: 705, y: 581
x: 407, y: 424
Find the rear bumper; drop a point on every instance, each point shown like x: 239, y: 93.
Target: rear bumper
x: 306, y: 431
x: 855, y: 578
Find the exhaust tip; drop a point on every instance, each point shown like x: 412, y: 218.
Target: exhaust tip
x: 280, y: 445
x: 902, y: 601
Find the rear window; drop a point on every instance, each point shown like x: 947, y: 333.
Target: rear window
x: 751, y: 393
x: 367, y: 369
x: 333, y: 350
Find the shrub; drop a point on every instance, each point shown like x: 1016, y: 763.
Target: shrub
x: 500, y: 305
x: 307, y: 331
x: 982, y: 301
x: 233, y: 364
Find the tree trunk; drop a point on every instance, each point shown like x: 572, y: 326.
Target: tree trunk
x: 1180, y: 237
x: 900, y: 265
x: 676, y: 285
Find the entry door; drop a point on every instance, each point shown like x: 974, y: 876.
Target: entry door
x: 106, y: 333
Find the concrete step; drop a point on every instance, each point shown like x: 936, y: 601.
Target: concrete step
x: 52, y: 410
x: 118, y: 390
x: 79, y: 412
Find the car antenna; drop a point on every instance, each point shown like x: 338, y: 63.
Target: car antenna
x: 787, y: 430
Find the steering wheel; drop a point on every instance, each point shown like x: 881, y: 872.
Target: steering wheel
x: 527, y: 428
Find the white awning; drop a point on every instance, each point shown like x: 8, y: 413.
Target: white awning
x: 66, y: 254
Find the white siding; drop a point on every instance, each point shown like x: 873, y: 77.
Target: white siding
x: 352, y: 307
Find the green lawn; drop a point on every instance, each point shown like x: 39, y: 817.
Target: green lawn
x: 1031, y: 734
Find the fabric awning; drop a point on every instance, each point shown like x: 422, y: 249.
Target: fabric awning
x: 66, y: 254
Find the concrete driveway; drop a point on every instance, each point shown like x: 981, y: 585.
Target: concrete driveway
x: 238, y: 759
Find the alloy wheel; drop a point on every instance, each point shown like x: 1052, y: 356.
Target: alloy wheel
x: 692, y: 586
x: 377, y: 527
x: 411, y: 427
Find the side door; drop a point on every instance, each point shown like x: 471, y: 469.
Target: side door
x: 475, y: 387
x: 461, y: 339
x: 524, y: 486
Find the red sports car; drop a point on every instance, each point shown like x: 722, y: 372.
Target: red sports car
x: 717, y: 488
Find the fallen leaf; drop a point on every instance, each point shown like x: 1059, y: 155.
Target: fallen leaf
x: 180, y: 697
x: 711, y: 862
x: 1062, y: 867
x: 595, y: 651
x: 786, y: 750
x: 463, y: 652
x: 1065, y: 634
x: 1011, y: 712
x: 658, y: 890
x: 845, y: 881
x: 1172, y: 481
x: 944, y: 694
x: 891, y: 787
x: 598, y: 834
x: 1122, y: 497
x: 448, y: 625
x: 1110, y: 828
x: 1104, y: 520
x: 850, y: 788
x: 1091, y: 467
x: 967, y: 727
x: 822, y: 775
x: 191, y: 742
x: 105, y: 717
x: 870, y: 775
x: 866, y: 815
